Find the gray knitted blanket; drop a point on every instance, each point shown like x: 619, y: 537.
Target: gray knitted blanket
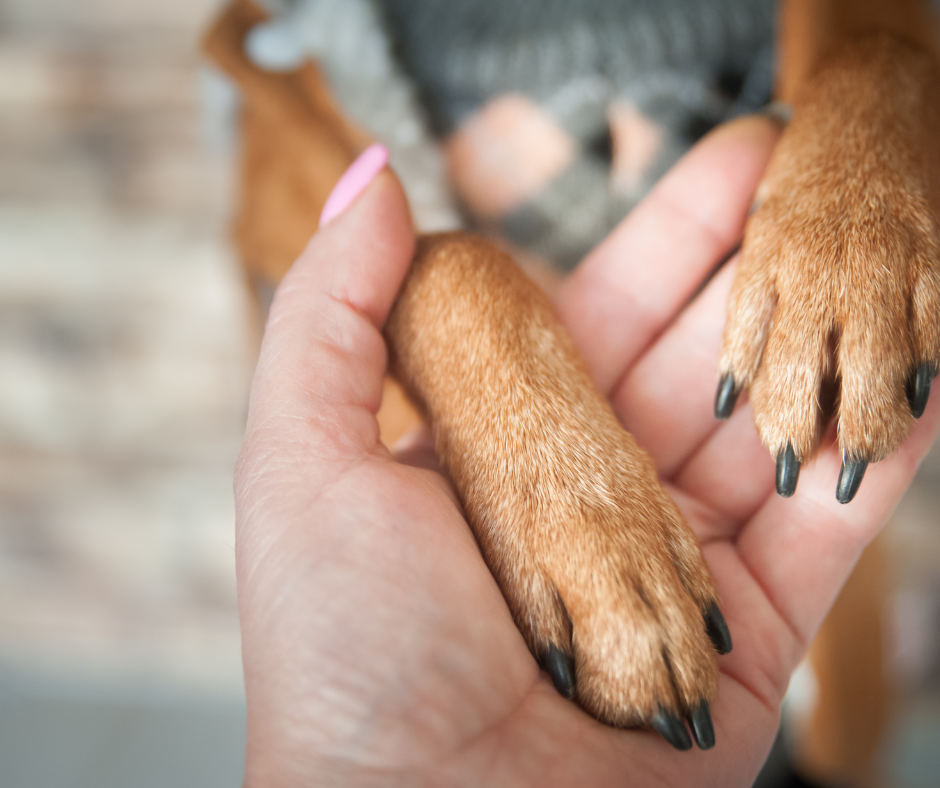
x: 413, y: 70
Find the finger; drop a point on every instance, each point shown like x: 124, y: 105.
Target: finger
x: 765, y: 649
x: 925, y: 329
x: 731, y: 473
x: 802, y: 549
x: 632, y: 285
x: 666, y: 397
x: 323, y: 357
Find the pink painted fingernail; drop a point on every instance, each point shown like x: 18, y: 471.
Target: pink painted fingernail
x: 354, y: 181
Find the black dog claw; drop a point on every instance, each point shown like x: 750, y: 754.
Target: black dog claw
x: 560, y: 666
x: 850, y: 479
x: 788, y: 472
x: 703, y: 731
x: 672, y: 729
x: 918, y: 388
x: 725, y: 397
x: 717, y: 629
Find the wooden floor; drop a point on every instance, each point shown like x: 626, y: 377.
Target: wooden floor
x: 126, y: 341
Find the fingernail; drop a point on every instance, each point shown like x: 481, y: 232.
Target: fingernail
x: 672, y: 729
x: 725, y: 397
x: 918, y: 389
x: 703, y: 730
x: 788, y: 472
x: 850, y: 479
x: 717, y: 629
x: 354, y: 181
x: 560, y: 667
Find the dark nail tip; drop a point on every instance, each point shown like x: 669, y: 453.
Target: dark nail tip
x: 850, y: 479
x: 725, y: 397
x: 672, y: 729
x: 788, y: 472
x: 717, y: 629
x: 918, y: 388
x: 560, y: 666
x: 703, y: 730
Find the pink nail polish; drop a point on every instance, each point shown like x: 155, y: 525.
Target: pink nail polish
x: 354, y: 181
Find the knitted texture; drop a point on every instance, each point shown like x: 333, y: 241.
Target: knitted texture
x: 410, y: 70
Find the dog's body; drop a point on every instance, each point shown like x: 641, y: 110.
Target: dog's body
x: 838, y: 290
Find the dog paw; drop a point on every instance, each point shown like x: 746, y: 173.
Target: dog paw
x: 607, y: 585
x: 834, y: 310
x: 603, y: 577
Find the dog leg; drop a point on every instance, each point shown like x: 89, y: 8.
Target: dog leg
x: 834, y: 308
x: 604, y: 578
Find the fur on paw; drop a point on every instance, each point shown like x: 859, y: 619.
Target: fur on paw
x: 604, y: 578
x: 833, y: 312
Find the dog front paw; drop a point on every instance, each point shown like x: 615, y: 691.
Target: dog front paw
x: 834, y: 310
x: 607, y: 585
x: 602, y: 575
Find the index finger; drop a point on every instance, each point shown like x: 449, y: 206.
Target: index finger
x: 630, y: 287
x: 803, y: 548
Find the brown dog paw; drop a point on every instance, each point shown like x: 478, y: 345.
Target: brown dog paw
x: 604, y: 578
x: 834, y: 308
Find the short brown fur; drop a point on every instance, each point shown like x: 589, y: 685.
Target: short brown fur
x: 591, y: 553
x: 840, y: 271
x: 840, y: 279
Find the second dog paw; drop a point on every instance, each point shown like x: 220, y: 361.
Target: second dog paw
x: 834, y: 308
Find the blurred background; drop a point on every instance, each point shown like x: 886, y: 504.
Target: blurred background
x: 125, y: 352
x: 126, y: 344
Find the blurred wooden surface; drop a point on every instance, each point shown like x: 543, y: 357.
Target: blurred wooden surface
x: 125, y: 346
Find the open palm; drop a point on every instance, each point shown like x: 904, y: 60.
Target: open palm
x: 377, y: 647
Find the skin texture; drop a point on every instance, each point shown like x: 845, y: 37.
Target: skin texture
x: 378, y: 649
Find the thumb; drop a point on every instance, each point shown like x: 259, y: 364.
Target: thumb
x: 322, y: 361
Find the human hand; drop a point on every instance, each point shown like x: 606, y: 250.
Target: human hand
x: 377, y: 647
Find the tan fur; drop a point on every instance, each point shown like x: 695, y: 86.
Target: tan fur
x: 840, y: 272
x: 295, y: 144
x: 840, y: 278
x: 588, y: 549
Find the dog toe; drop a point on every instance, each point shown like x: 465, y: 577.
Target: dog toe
x: 839, y: 279
x: 925, y: 332
x: 789, y: 410
x: 875, y: 356
x: 560, y: 668
x: 602, y: 575
x: 918, y: 388
x: 672, y: 729
x: 644, y: 646
x: 717, y: 629
x: 850, y: 478
x: 751, y: 307
x: 726, y: 396
x: 788, y: 471
x: 703, y: 730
